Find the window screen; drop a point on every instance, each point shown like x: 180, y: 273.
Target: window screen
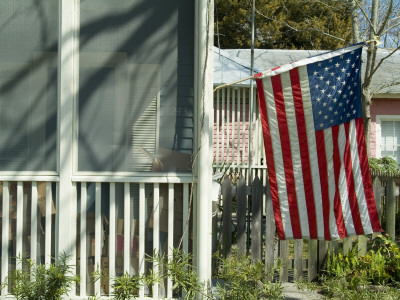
x: 390, y: 139
x: 135, y: 106
x: 28, y: 85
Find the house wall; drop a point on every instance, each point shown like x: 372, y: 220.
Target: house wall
x: 381, y: 106
x: 79, y: 83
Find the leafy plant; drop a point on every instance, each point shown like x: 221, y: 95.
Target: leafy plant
x: 375, y: 275
x: 179, y: 268
x: 384, y: 164
x: 41, y: 282
x: 127, y: 286
x: 243, y: 278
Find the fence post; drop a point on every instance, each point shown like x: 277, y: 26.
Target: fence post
x: 377, y: 186
x: 390, y: 210
x: 241, y: 215
x: 298, y: 259
x: 322, y: 254
x: 269, y: 232
x: 227, y: 216
x: 347, y: 245
x: 312, y: 259
x: 283, y: 253
x: 256, y: 220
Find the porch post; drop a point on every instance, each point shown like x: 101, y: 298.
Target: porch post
x: 66, y: 216
x: 204, y: 115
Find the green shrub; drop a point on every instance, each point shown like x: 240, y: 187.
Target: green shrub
x: 375, y: 275
x: 384, y: 164
x: 245, y: 279
x: 41, y: 282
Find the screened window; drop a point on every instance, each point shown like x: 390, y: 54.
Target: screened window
x: 390, y: 139
x: 28, y: 85
x: 135, y: 106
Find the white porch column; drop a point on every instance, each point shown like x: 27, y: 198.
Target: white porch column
x: 67, y: 88
x: 204, y: 35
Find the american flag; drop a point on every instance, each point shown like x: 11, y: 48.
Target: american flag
x: 315, y: 147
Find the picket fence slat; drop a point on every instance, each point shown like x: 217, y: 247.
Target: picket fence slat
x: 241, y: 216
x: 298, y: 259
x: 322, y: 254
x: 256, y: 220
x: 269, y: 231
x: 391, y: 208
x: 284, y: 255
x: 227, y: 216
x: 312, y: 259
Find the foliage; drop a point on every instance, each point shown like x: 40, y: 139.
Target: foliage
x: 240, y: 278
x: 183, y: 275
x: 243, y: 278
x: 41, y: 282
x: 373, y: 276
x: 126, y: 286
x: 386, y: 164
x: 283, y: 24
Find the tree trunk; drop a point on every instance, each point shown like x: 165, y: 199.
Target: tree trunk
x: 366, y: 111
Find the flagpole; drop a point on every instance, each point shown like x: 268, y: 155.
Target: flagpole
x: 250, y: 156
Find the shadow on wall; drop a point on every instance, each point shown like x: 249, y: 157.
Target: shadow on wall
x: 135, y: 85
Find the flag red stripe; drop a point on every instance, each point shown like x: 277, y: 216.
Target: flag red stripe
x: 348, y: 166
x: 366, y: 176
x: 323, y: 175
x: 337, y: 206
x: 304, y: 153
x: 270, y: 160
x: 286, y: 155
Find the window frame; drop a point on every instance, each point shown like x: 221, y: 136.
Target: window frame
x: 378, y: 131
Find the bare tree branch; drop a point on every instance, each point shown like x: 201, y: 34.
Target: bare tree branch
x: 390, y: 27
x: 385, y: 86
x: 381, y: 61
x: 386, y: 18
x: 365, y: 15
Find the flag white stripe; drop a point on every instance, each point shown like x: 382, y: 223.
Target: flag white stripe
x: 312, y: 149
x: 331, y: 181
x: 359, y: 188
x: 295, y: 153
x: 278, y: 160
x: 343, y: 191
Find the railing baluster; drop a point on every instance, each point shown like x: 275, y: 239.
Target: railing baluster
x: 49, y: 201
x: 170, y: 232
x: 233, y: 118
x: 5, y: 235
x: 156, y: 231
x: 127, y: 222
x: 142, y: 216
x: 244, y: 152
x: 218, y: 128
x: 83, y: 258
x: 112, y: 236
x: 238, y: 123
x: 185, y: 214
x: 20, y: 222
x: 98, y: 236
x: 74, y: 210
x: 34, y: 193
x: 228, y: 123
x: 223, y: 127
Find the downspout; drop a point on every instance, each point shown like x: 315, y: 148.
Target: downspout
x: 203, y: 158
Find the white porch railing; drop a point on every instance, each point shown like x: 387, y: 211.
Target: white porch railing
x: 231, y: 130
x: 118, y: 222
